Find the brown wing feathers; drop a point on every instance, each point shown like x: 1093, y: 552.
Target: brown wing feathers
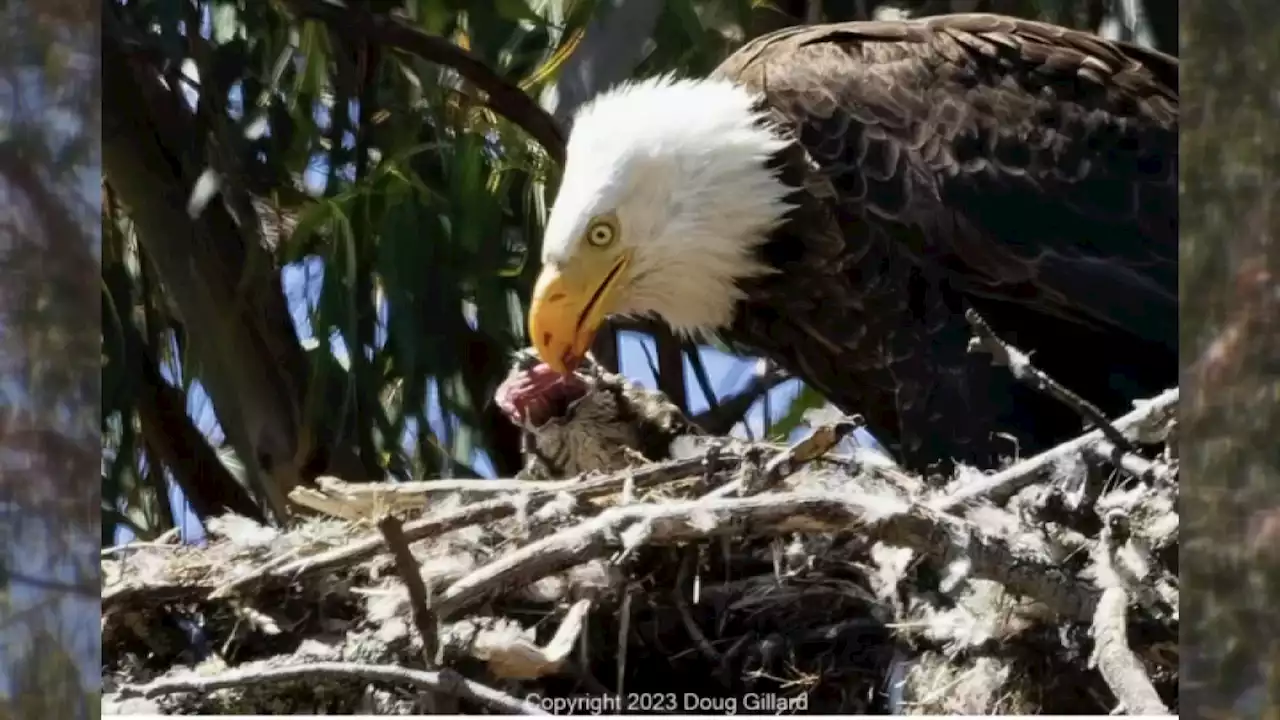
x: 1029, y: 168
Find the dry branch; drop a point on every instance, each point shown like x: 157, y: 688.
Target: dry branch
x: 419, y: 600
x: 1019, y: 364
x: 1001, y: 485
x: 478, y: 513
x: 773, y: 515
x: 445, y: 681
x: 1115, y: 660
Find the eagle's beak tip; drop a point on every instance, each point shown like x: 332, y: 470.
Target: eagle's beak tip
x: 553, y: 326
x: 562, y: 365
x: 569, y: 364
x: 565, y: 315
x: 564, y: 360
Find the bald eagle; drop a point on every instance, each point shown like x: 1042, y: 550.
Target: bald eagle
x: 836, y: 197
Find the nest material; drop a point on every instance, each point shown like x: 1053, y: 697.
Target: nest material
x: 709, y: 576
x: 745, y: 574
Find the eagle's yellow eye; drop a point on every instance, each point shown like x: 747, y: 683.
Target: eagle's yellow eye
x: 600, y: 234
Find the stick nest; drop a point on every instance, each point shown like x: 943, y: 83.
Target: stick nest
x: 728, y: 577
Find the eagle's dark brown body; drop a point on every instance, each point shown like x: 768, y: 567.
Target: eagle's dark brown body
x: 1020, y: 168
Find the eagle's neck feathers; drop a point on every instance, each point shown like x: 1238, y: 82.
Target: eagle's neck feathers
x: 685, y: 166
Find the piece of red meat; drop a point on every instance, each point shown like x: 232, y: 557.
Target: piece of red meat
x: 538, y: 394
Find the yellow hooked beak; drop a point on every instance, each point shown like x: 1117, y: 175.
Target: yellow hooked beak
x: 569, y: 304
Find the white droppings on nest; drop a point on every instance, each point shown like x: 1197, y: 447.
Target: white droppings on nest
x: 999, y: 521
x: 964, y: 475
x: 321, y: 648
x: 832, y: 479
x: 934, y: 684
x: 561, y: 507
x: 890, y: 566
x: 242, y: 531
x: 984, y: 611
x: 511, y: 650
x: 437, y: 572
x: 590, y: 579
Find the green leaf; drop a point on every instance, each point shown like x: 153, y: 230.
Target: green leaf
x: 401, y: 251
x: 315, y: 218
x: 435, y: 16
x: 805, y: 399
x: 688, y: 16
x: 313, y: 44
x: 226, y: 22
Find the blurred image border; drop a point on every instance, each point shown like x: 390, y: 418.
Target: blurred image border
x: 50, y: 349
x: 1229, y: 220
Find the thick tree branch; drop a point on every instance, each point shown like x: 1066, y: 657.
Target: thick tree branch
x: 720, y: 419
x: 670, y: 378
x: 504, y: 96
x: 249, y: 356
x: 205, y: 481
x: 445, y: 681
x: 940, y: 536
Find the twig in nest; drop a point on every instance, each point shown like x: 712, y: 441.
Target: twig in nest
x: 481, y: 512
x: 163, y: 541
x: 1019, y: 363
x: 1117, y: 663
x: 1136, y: 465
x: 686, y: 615
x: 894, y: 522
x: 393, y: 530
x: 127, y: 595
x: 815, y: 445
x: 445, y: 681
x: 1001, y: 485
x: 357, y: 501
x: 624, y: 641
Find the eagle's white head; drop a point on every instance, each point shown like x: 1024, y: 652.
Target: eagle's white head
x: 664, y: 200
